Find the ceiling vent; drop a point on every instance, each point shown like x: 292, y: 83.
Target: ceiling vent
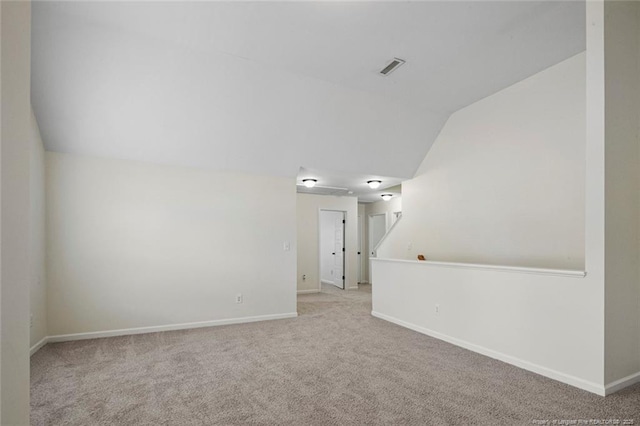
x: 323, y: 190
x: 392, y: 66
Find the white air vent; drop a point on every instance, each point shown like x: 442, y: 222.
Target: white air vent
x: 323, y: 190
x: 392, y: 66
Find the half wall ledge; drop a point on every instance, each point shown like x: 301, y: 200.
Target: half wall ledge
x: 500, y: 268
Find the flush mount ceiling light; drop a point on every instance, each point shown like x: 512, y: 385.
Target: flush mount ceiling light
x: 392, y: 66
x: 387, y: 197
x: 373, y: 184
x: 309, y: 183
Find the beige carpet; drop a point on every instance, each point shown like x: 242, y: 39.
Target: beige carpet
x: 334, y: 364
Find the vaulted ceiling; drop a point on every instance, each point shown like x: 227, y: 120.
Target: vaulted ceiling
x: 267, y: 87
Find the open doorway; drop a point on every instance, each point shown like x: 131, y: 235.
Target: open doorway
x: 332, y: 250
x: 377, y: 229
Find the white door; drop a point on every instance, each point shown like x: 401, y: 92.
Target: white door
x: 360, y: 256
x: 377, y: 229
x: 338, y: 258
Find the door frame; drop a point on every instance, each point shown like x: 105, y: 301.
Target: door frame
x: 344, y: 242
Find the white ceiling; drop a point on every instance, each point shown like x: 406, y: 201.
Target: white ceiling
x: 265, y: 87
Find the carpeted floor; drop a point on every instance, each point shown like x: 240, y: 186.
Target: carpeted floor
x: 334, y: 364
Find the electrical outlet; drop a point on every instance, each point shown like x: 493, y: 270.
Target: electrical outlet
x: 304, y: 277
x: 410, y: 246
x: 239, y: 298
x: 437, y: 308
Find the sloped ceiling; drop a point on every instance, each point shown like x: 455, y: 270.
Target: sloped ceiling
x: 265, y: 88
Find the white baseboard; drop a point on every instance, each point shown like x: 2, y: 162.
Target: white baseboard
x: 315, y: 290
x: 614, y: 387
x: 544, y: 371
x: 352, y: 288
x: 170, y: 327
x: 35, y: 348
x: 327, y: 282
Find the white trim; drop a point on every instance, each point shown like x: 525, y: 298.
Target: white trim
x: 327, y: 282
x: 314, y: 290
x: 544, y: 371
x: 35, y: 348
x: 352, y: 288
x: 614, y: 387
x: 170, y: 327
x: 516, y: 269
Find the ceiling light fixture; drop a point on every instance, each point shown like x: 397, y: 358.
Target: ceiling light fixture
x: 309, y: 183
x: 387, y: 197
x: 373, y: 184
x: 392, y: 66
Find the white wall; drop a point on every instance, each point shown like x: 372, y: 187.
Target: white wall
x: 545, y: 323
x: 308, y: 207
x: 38, y: 295
x: 622, y: 189
x: 504, y: 181
x: 327, y: 244
x: 132, y: 244
x: 15, y: 33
